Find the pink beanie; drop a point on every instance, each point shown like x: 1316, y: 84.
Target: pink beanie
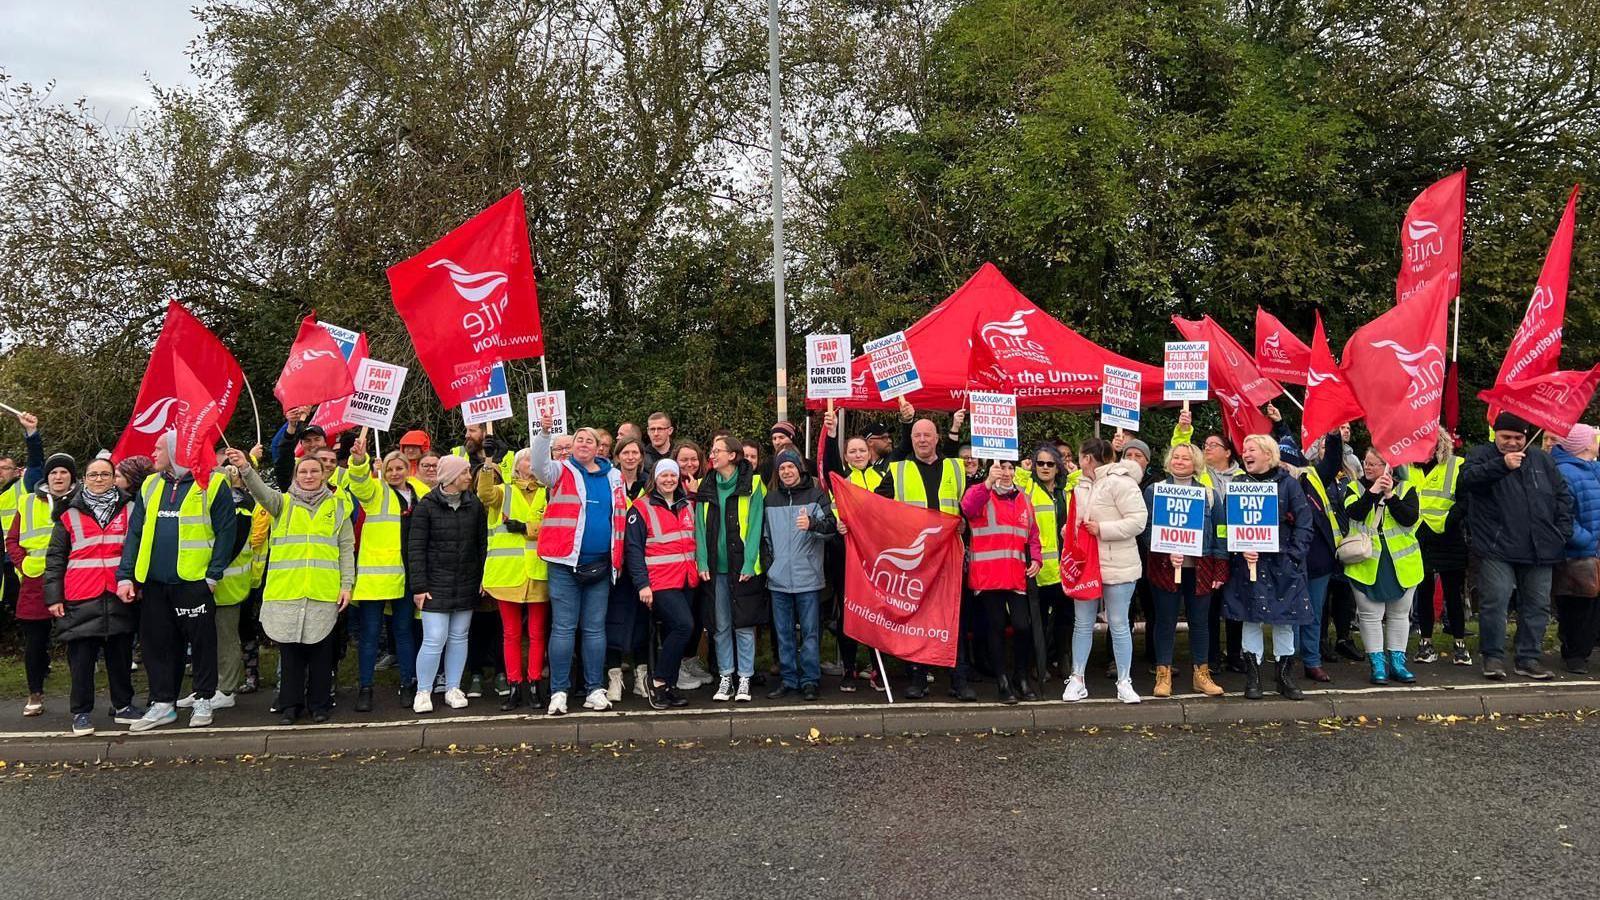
x: 1579, y: 439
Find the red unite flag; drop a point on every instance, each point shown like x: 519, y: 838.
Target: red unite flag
x: 1329, y: 400
x: 1395, y: 365
x: 315, y: 371
x: 1431, y: 238
x: 1554, y: 402
x: 469, y: 301
x: 191, y: 386
x: 1536, y: 347
x: 902, y: 584
x: 1279, y: 354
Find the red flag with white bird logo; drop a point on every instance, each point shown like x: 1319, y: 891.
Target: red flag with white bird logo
x: 1536, y: 347
x: 1431, y: 238
x: 1279, y: 354
x: 315, y: 371
x: 1395, y: 365
x: 469, y: 301
x: 1329, y: 400
x: 1554, y: 401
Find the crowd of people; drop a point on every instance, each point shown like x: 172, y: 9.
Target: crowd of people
x: 547, y: 574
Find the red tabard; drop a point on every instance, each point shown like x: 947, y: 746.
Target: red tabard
x: 558, y: 534
x: 668, y: 546
x: 92, y: 564
x: 999, y: 543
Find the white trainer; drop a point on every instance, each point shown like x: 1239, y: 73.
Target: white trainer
x: 641, y: 682
x: 558, y: 704
x: 614, y: 684
x: 743, y: 696
x: 187, y: 702
x: 597, y: 701
x: 1125, y: 692
x: 219, y: 700
x: 200, y: 717
x: 724, y: 690
x: 1076, y: 690
x: 455, y: 699
x: 422, y: 703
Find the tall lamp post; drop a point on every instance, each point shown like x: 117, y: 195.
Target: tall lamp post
x: 779, y: 312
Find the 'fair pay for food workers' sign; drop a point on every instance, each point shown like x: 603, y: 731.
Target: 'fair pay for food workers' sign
x: 1177, y: 518
x: 1186, y: 373
x: 994, y: 425
x: 377, y: 393
x: 1252, y: 516
x: 892, y: 366
x: 828, y: 366
x: 552, y: 402
x: 1119, y: 397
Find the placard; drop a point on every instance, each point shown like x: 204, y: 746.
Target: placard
x: 1252, y: 516
x: 344, y: 337
x: 556, y: 403
x: 892, y: 366
x: 377, y: 394
x: 1177, y: 518
x: 493, y: 404
x: 1119, y: 397
x: 1186, y: 372
x: 828, y: 366
x: 993, y: 420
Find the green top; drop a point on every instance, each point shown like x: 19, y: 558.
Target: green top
x: 726, y: 488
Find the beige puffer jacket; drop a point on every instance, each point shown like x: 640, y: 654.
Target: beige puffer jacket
x: 1113, y: 499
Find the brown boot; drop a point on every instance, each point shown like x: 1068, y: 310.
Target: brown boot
x: 1163, y: 681
x: 1203, y: 682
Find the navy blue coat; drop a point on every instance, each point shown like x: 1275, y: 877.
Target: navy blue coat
x: 1280, y: 594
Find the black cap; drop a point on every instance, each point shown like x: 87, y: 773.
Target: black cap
x: 875, y: 430
x: 1506, y: 421
x: 309, y: 430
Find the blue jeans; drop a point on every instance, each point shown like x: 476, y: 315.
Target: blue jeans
x: 1198, y: 611
x: 577, y: 607
x: 1309, y: 636
x: 787, y: 611
x: 443, y: 634
x: 1116, y: 597
x: 1496, y: 581
x: 736, y: 647
x: 1254, y: 640
x: 371, y: 613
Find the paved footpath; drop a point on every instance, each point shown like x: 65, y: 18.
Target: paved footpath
x: 1442, y: 690
x: 1467, y: 809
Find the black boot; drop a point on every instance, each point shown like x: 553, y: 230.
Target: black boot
x: 917, y: 683
x: 364, y: 699
x: 1252, y: 677
x: 1286, y: 685
x: 1025, y: 688
x: 408, y: 692
x: 536, y: 698
x: 1007, y: 696
x: 960, y: 690
x: 513, y: 699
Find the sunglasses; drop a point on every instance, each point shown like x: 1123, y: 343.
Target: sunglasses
x: 1044, y: 463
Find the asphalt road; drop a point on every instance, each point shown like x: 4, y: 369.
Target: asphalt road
x: 1435, y: 810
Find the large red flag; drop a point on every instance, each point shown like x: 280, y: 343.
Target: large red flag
x: 1554, y: 401
x: 1329, y: 400
x: 469, y: 301
x: 1431, y: 238
x: 1279, y: 354
x: 315, y: 370
x: 1238, y: 385
x: 1395, y: 364
x: 1536, y: 347
x: 902, y: 583
x: 197, y: 424
x: 208, y: 388
x: 330, y: 415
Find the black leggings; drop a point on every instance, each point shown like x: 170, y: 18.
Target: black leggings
x: 307, y: 675
x: 1455, y: 585
x: 36, y: 651
x: 999, y: 609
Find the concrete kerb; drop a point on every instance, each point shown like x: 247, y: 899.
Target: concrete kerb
x: 830, y: 720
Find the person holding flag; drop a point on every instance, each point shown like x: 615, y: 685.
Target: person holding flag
x: 1519, y: 519
x: 479, y: 445
x: 1386, y: 512
x: 180, y: 541
x: 23, y: 541
x: 868, y: 473
x: 515, y: 576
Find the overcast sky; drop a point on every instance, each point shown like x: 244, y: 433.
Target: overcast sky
x: 100, y: 49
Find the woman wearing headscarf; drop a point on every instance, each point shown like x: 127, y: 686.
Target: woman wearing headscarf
x: 1278, y: 594
x: 516, y: 577
x: 80, y: 586
x: 312, y: 547
x: 132, y: 472
x: 445, y: 554
x: 26, y: 543
x: 659, y: 549
x: 386, y: 505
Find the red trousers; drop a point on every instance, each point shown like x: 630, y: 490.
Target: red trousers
x: 511, y: 618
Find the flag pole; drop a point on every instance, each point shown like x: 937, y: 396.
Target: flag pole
x: 1293, y: 400
x: 255, y: 410
x: 544, y: 375
x: 884, y: 674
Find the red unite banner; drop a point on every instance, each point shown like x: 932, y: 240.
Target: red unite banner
x: 902, y: 588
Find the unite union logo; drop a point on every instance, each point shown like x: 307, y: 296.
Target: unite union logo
x: 474, y: 287
x: 1424, y: 366
x: 158, y: 416
x: 1009, y: 338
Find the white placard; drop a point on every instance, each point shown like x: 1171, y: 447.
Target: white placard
x: 553, y: 401
x: 493, y: 404
x: 377, y: 394
x: 1119, y: 397
x: 1186, y: 373
x: 892, y: 366
x: 993, y: 420
x: 828, y: 366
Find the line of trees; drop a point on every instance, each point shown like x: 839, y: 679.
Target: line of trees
x: 1120, y: 160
